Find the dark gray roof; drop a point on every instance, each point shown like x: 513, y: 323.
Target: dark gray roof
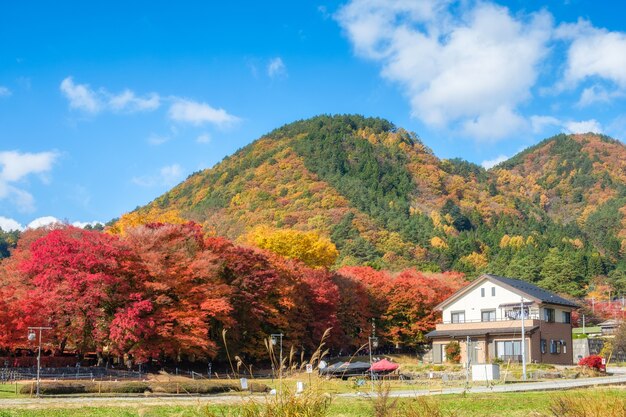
x: 479, y: 332
x: 533, y: 291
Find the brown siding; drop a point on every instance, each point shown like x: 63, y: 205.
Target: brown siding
x: 556, y: 331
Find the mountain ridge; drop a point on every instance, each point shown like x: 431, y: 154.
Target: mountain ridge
x: 386, y: 199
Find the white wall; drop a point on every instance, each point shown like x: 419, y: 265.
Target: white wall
x: 472, y: 303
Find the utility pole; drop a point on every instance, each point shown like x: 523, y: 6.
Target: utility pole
x: 373, y: 343
x: 467, y: 359
x: 32, y: 336
x: 523, y: 343
x: 275, y: 336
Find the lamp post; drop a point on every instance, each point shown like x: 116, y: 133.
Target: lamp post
x: 372, y: 341
x: 373, y: 344
x: 274, y: 338
x: 32, y: 336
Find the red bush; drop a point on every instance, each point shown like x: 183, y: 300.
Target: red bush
x: 591, y: 361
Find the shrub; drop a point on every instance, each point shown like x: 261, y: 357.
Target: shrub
x: 591, y: 361
x: 136, y: 387
x: 453, y: 352
x: 64, y: 388
x: 204, y: 387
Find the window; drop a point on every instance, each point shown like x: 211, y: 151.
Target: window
x: 482, y: 292
x: 544, y: 345
x: 458, y: 317
x: 567, y: 317
x: 509, y: 349
x: 488, y: 315
x: 554, y: 346
x: 548, y: 315
x: 493, y: 291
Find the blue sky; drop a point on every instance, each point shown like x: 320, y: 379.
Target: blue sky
x: 105, y: 107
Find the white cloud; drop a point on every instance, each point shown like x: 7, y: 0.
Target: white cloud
x: 540, y: 123
x: 80, y: 96
x: 496, y: 125
x: 490, y: 163
x: 82, y: 225
x: 8, y: 225
x: 276, y: 67
x: 16, y: 166
x: 593, y: 52
x: 584, y: 126
x: 157, y: 140
x: 23, y: 200
x: 198, y: 113
x: 128, y: 101
x: 598, y: 94
x: 597, y: 55
x: 43, y: 222
x: 168, y: 175
x: 83, y: 97
x: 204, y: 138
x: 467, y: 69
x: 4, y: 91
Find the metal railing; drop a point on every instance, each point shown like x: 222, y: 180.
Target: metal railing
x: 20, y: 374
x: 526, y: 317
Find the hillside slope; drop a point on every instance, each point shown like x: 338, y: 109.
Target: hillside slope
x: 553, y: 214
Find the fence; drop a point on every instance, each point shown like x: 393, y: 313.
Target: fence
x: 21, y: 374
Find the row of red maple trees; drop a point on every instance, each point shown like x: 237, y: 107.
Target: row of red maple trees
x: 169, y: 291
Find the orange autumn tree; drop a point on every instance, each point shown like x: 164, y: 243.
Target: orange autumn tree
x: 188, y: 297
x: 406, y: 300
x: 309, y: 247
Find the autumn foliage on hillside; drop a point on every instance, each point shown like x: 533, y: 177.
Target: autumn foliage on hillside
x: 553, y: 215
x: 168, y: 291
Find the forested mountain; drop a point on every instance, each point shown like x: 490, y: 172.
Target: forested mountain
x: 554, y: 214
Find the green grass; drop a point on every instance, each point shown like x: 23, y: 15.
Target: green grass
x: 471, y: 405
x: 8, y: 391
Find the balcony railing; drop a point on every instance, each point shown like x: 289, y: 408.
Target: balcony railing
x: 526, y: 317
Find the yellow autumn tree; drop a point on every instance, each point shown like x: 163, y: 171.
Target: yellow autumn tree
x: 476, y: 260
x: 134, y: 219
x: 439, y: 243
x: 309, y: 247
x: 516, y: 242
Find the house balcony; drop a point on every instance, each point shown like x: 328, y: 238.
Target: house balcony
x: 505, y: 323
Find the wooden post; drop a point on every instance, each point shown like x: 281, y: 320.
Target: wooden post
x: 32, y: 387
x: 177, y: 388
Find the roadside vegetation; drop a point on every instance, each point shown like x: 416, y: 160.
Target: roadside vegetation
x: 610, y: 402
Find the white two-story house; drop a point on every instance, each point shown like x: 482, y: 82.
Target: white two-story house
x: 489, y: 311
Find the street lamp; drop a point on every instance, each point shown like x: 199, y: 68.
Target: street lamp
x: 373, y: 344
x: 31, y: 337
x: 274, y: 337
